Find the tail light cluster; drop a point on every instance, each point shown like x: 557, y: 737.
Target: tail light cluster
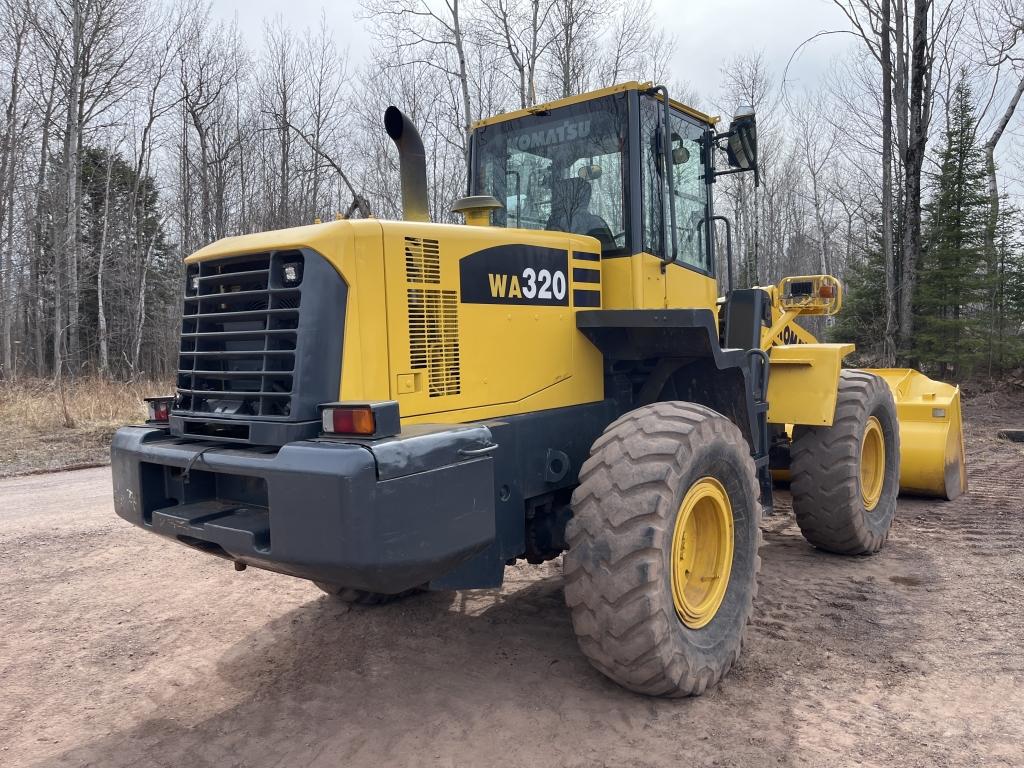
x: 158, y: 409
x: 371, y: 419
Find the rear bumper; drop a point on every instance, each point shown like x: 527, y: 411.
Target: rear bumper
x: 384, y: 515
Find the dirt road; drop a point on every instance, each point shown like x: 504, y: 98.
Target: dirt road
x: 120, y: 649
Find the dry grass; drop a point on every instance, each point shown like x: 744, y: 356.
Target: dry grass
x: 44, y: 427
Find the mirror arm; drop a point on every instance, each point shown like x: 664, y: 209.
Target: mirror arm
x: 666, y: 154
x: 754, y: 168
x: 733, y: 170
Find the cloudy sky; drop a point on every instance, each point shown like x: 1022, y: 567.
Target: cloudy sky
x: 707, y: 33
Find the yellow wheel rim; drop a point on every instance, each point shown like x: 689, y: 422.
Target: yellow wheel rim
x: 872, y: 464
x: 702, y: 550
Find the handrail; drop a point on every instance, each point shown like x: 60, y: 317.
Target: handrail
x: 666, y: 153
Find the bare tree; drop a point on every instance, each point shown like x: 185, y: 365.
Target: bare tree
x: 279, y: 95
x: 888, y: 254
x: 999, y: 33
x: 210, y: 64
x: 14, y: 31
x: 635, y: 47
x: 577, y: 26
x: 437, y: 39
x: 101, y: 313
x: 522, y: 29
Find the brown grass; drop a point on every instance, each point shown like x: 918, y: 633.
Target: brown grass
x: 45, y: 427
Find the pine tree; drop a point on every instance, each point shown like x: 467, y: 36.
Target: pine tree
x: 1008, y: 291
x: 951, y: 296
x: 862, y: 319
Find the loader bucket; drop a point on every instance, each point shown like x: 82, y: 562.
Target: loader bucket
x: 931, y: 433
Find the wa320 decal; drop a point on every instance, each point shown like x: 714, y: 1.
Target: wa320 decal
x: 515, y: 274
x: 532, y: 284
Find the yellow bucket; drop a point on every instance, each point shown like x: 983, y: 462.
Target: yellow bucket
x: 932, y: 461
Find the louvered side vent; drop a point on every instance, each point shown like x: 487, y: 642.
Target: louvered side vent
x: 433, y: 319
x: 422, y: 260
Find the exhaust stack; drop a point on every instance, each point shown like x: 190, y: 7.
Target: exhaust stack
x: 412, y: 164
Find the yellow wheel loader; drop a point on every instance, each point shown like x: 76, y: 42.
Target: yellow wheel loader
x: 383, y: 407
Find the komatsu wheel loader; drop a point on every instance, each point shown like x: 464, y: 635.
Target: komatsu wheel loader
x: 382, y: 407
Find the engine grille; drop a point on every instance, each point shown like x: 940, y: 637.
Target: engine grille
x: 239, y: 336
x: 433, y: 319
x: 434, y: 339
x: 422, y: 260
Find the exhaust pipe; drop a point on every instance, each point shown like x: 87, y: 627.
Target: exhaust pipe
x: 412, y: 162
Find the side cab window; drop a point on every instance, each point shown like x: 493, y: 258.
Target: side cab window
x: 691, y: 194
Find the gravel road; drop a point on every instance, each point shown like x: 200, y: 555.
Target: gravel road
x: 121, y: 649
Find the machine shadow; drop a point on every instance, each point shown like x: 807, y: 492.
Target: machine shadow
x: 323, y: 673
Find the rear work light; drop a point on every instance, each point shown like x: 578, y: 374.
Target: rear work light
x: 374, y: 419
x: 291, y: 273
x: 158, y: 409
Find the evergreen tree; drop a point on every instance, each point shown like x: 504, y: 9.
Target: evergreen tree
x: 125, y: 210
x: 862, y: 319
x: 952, y: 287
x: 1008, y: 291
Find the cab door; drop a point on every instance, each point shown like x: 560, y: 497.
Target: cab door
x: 689, y: 280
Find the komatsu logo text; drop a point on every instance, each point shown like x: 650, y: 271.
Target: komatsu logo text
x: 556, y: 134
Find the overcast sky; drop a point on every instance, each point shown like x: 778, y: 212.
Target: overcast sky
x: 707, y: 34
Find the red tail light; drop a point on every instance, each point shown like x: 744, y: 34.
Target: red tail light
x: 349, y: 421
x: 374, y: 419
x: 158, y: 409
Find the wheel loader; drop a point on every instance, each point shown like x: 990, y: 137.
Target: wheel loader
x: 383, y: 407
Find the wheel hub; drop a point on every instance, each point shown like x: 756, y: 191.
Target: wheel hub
x: 872, y: 463
x: 702, y: 552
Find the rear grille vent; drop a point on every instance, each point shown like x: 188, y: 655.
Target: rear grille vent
x: 434, y: 338
x: 239, y: 336
x: 433, y: 319
x: 422, y: 260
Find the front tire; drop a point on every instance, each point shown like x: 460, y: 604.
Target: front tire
x: 661, y: 571
x: 845, y: 478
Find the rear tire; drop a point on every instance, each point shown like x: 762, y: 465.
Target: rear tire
x: 838, y: 506
x: 622, y: 563
x: 361, y: 596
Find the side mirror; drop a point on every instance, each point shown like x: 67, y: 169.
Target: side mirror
x: 742, y: 143
x: 680, y: 156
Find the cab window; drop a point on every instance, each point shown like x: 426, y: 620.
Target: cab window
x: 563, y: 172
x: 690, y: 194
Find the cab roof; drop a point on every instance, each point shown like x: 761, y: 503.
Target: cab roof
x: 632, y: 85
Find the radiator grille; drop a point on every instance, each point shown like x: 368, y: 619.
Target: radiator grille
x: 422, y: 260
x: 239, y: 336
x: 434, y: 338
x: 433, y: 319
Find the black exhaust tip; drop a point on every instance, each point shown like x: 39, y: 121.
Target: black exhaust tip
x: 393, y: 122
x: 412, y: 162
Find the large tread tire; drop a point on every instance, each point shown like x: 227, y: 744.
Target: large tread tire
x: 361, y: 596
x: 826, y: 476
x: 617, y: 569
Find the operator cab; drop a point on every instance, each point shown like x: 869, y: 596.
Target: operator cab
x: 594, y: 165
